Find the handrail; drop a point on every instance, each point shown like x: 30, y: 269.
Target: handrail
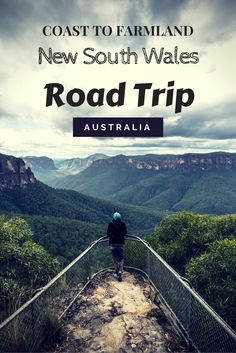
x: 50, y: 283
x: 192, y: 290
x: 160, y: 264
x: 39, y: 291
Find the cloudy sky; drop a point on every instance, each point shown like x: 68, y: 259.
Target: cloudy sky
x: 27, y: 127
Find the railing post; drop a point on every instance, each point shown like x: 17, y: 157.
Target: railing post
x: 32, y: 316
x: 89, y: 266
x: 148, y: 263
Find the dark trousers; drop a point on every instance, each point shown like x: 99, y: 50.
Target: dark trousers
x: 117, y: 252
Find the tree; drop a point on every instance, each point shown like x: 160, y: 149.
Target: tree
x: 25, y: 266
x: 213, y: 274
x: 203, y: 249
x: 181, y: 236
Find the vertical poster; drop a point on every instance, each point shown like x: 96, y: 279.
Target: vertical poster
x: 117, y: 109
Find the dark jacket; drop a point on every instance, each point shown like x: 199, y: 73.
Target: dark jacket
x: 116, y: 232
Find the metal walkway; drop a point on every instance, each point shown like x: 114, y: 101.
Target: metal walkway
x: 198, y: 322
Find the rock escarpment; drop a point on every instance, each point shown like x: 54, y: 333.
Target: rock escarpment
x: 13, y: 173
x: 39, y: 163
x: 76, y: 165
x: 183, y: 163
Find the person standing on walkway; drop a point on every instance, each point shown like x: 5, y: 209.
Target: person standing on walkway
x: 117, y: 232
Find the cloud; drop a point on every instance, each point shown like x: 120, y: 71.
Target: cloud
x: 166, y: 11
x: 56, y: 145
x: 214, y: 21
x: 27, y: 125
x: 217, y: 122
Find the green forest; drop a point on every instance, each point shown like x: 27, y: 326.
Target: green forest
x: 25, y: 265
x: 203, y: 249
x: 39, y: 199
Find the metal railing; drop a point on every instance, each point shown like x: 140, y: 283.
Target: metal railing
x: 26, y: 329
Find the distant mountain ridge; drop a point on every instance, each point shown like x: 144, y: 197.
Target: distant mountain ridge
x: 21, y: 193
x: 202, y: 183
x: 48, y: 170
x: 75, y: 165
x: 184, y: 162
x: 41, y: 163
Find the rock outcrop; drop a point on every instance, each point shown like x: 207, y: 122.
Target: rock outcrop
x: 39, y: 163
x: 118, y: 317
x: 13, y: 173
x: 185, y: 163
x: 76, y: 165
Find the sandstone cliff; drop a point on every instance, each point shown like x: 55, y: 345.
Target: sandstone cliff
x: 13, y: 173
x: 185, y: 163
x: 39, y: 163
